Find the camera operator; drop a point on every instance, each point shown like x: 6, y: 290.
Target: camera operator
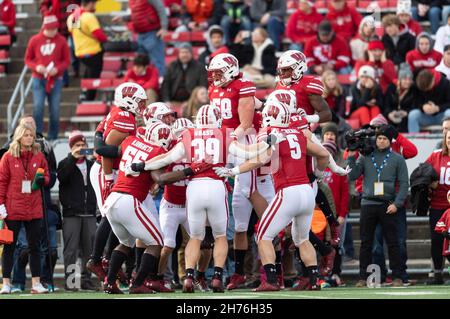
x: 382, y: 169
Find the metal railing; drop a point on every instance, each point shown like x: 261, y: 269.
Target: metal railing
x: 21, y: 90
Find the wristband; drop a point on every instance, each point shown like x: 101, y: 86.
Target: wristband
x: 138, y: 167
x: 188, y: 171
x: 312, y: 118
x: 235, y: 170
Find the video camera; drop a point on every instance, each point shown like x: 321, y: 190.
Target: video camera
x: 362, y: 140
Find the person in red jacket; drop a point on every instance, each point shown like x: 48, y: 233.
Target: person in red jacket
x: 424, y: 56
x: 345, y: 20
x: 47, y: 55
x: 8, y: 17
x: 404, y: 14
x: 303, y: 24
x: 327, y: 51
x: 144, y: 74
x: 21, y: 201
x: 384, y: 68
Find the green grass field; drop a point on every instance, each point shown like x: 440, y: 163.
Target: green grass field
x: 415, y: 292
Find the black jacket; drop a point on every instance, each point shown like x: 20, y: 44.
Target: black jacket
x: 440, y: 95
x: 75, y: 197
x: 392, y: 102
x: 362, y: 96
x: 420, y: 180
x: 397, y: 53
x: 245, y: 53
x: 195, y: 76
x: 431, y: 3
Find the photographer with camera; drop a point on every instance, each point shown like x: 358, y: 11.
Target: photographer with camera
x: 381, y: 169
x: 79, y: 207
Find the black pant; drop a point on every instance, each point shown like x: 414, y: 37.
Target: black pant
x: 33, y: 231
x: 371, y: 216
x: 94, y: 66
x: 437, y: 240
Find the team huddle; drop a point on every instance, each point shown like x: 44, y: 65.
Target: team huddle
x: 272, y: 154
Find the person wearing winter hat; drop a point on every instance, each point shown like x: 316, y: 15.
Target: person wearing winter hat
x: 360, y: 42
x: 382, y: 200
x: 375, y: 56
x: 404, y: 15
x: 399, y: 98
x: 215, y: 44
x: 444, y: 66
x: 330, y: 132
x: 48, y: 56
x: 431, y: 101
x: 78, y: 208
x: 367, y: 97
x: 424, y: 56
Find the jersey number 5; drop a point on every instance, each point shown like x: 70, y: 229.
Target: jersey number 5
x: 132, y: 155
x: 294, y: 145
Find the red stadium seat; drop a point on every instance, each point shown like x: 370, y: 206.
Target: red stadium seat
x: 169, y: 59
x: 118, y: 55
x: 93, y: 84
x: 345, y: 79
x: 5, y: 40
x: 92, y: 109
x: 108, y: 75
x: 197, y: 36
x: 116, y: 82
x: 177, y: 37
x: 111, y: 64
x: 2, y: 69
x: 4, y: 54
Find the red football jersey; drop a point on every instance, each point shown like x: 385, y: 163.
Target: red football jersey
x: 176, y: 193
x: 289, y: 167
x: 441, y: 164
x: 306, y: 86
x: 135, y: 150
x: 227, y: 99
x: 209, y: 144
x: 121, y: 121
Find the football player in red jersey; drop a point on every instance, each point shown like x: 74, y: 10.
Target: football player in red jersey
x: 206, y: 192
x: 235, y: 97
x: 129, y: 100
x: 129, y: 213
x: 295, y: 198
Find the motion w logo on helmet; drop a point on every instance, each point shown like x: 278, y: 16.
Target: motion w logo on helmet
x: 284, y: 98
x: 163, y: 133
x: 128, y: 91
x: 230, y: 60
x: 273, y: 111
x: 297, y: 56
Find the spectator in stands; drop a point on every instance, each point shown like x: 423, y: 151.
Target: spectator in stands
x: 200, y: 11
x: 198, y: 98
x: 360, y: 42
x: 367, y: 98
x: 270, y: 14
x: 445, y: 10
x: 234, y: 18
x: 215, y: 44
x: 424, y: 56
x: 404, y: 15
x: 62, y: 9
x: 399, y: 99
x: 47, y: 55
x: 182, y: 76
x: 144, y: 74
x: 21, y: 201
x: 345, y: 20
x: 428, y: 10
x: 8, y: 18
x: 334, y: 93
x: 431, y: 102
x: 442, y: 37
x: 258, y: 58
x: 375, y: 56
x: 79, y: 207
x: 444, y: 66
x: 87, y: 37
x: 440, y: 160
x: 327, y: 51
x: 381, y: 200
x: 149, y: 20
x: 303, y: 24
x: 397, y: 43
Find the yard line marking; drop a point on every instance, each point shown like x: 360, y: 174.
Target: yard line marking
x: 407, y: 293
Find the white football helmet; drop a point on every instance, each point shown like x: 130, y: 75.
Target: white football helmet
x: 291, y: 66
x: 157, y: 112
x: 208, y: 116
x: 276, y: 114
x: 286, y: 97
x: 222, y: 69
x: 140, y: 132
x: 180, y: 125
x: 159, y: 134
x: 130, y: 97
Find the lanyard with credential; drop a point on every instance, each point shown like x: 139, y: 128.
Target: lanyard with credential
x: 379, y: 169
x: 25, y: 168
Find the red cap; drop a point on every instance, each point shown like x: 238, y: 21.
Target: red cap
x: 375, y: 45
x: 50, y: 22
